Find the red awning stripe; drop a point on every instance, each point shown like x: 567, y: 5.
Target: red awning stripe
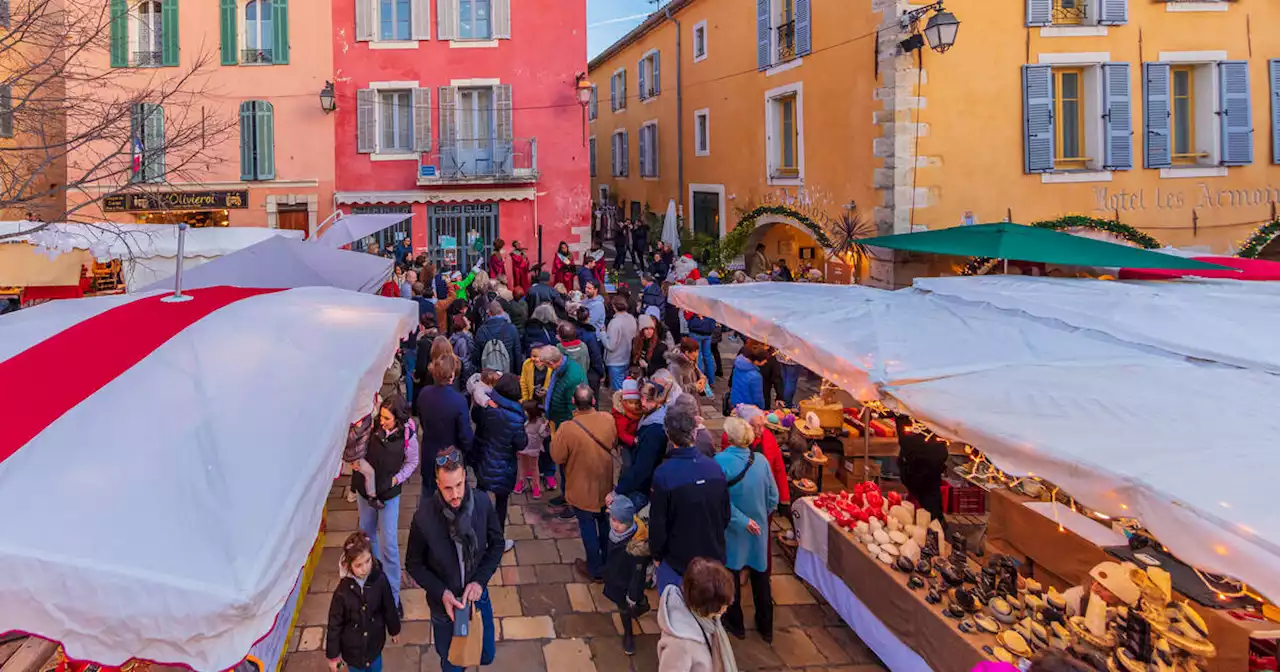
x: 51, y: 377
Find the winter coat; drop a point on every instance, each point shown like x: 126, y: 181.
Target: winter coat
x: 650, y: 449
x: 518, y: 311
x: 445, y: 422
x: 767, y: 445
x: 702, y: 326
x: 771, y: 380
x: 588, y: 463
x: 671, y: 320
x: 755, y: 497
x: 537, y: 334
x: 595, y: 309
x: 360, y: 618
x: 625, y: 424
x: 625, y: 568
x: 617, y: 339
x: 499, y: 436
x: 591, y: 338
x: 530, y: 378
x: 651, y: 295
x: 441, y: 287
x: 431, y: 557
x: 640, y: 237
x: 501, y: 329
x: 578, y: 352
x: 686, y: 372
x: 565, y: 379
x: 684, y: 646
x: 542, y: 293
x: 690, y: 509
x: 464, y: 347
x: 650, y: 362
x: 586, y: 274
x: 746, y: 386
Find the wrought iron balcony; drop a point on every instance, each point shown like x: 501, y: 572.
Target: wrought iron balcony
x: 786, y: 42
x: 147, y: 59
x: 480, y: 161
x: 1070, y: 12
x: 250, y: 56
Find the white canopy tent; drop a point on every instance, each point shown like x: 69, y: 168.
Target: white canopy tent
x: 348, y: 229
x: 167, y: 514
x: 1125, y: 428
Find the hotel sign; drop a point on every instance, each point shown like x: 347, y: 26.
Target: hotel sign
x: 177, y: 200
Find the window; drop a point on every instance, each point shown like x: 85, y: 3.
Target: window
x: 1183, y: 122
x: 1198, y: 114
x: 699, y: 41
x: 702, y: 133
x: 649, y: 74
x: 1068, y: 91
x: 591, y: 155
x: 146, y: 121
x: 474, y: 20
x: 649, y: 149
x: 1070, y: 12
x: 618, y: 90
x: 148, y: 33
x: 782, y: 31
x: 394, y: 20
x: 257, y: 140
x: 593, y: 105
x: 257, y: 32
x: 144, y: 33
x: 785, y: 22
x: 619, y: 154
x: 395, y: 122
x: 784, y: 136
x: 787, y: 164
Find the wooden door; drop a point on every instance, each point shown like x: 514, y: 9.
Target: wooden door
x: 295, y: 220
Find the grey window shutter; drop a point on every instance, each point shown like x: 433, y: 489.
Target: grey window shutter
x: 1274, y: 71
x: 657, y: 72
x: 365, y: 23
x: 6, y: 111
x: 1156, y: 114
x: 613, y: 155
x: 265, y: 142
x: 1117, y: 117
x: 421, y: 19
x: 1037, y: 118
x: 653, y: 150
x: 153, y: 156
x: 622, y: 90
x: 1113, y: 12
x: 1236, y: 113
x: 448, y: 125
x: 613, y: 93
x: 4, y: 14
x: 1039, y: 12
x: 642, y: 79
x: 246, y: 140
x: 366, y: 121
x: 764, y: 34
x: 422, y: 120
x: 803, y: 29
x: 644, y: 157
x: 447, y: 19
x: 594, y: 112
x: 626, y: 155
x: 501, y: 19
x: 505, y: 124
x: 591, y: 156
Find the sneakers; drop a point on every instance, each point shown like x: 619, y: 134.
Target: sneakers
x: 551, y: 483
x: 510, y: 544
x: 519, y: 487
x: 537, y: 490
x: 351, y: 495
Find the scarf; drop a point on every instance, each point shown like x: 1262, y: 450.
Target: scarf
x: 462, y: 531
x: 722, y: 659
x: 616, y: 538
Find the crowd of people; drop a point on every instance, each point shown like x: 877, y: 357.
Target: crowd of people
x: 507, y: 381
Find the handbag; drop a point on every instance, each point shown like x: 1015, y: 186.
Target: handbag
x: 465, y: 650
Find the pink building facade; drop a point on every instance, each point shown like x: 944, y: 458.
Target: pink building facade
x: 463, y: 113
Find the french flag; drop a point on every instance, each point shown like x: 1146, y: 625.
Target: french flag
x: 137, y: 155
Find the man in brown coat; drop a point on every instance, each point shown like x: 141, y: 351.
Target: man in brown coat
x: 584, y: 446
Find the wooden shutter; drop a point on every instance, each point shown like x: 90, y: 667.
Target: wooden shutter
x: 421, y: 19
x: 1037, y: 118
x: 1156, y: 115
x: 169, y: 32
x: 447, y: 18
x: 1117, y: 117
x: 120, y: 33
x: 657, y: 72
x: 366, y: 121
x: 6, y: 111
x: 422, y: 120
x: 804, y: 31
x: 764, y: 34
x: 505, y: 128
x: 366, y: 23
x: 448, y: 124
x: 1039, y: 12
x: 247, y: 163
x: 1113, y: 12
x: 1237, y: 113
x: 280, y: 31
x: 501, y: 18
x: 642, y: 78
x: 230, y: 35
x: 1274, y: 71
x: 265, y: 141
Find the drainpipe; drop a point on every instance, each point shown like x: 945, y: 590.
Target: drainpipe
x: 679, y: 108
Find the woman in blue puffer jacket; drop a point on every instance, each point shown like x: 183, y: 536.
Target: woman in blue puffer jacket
x: 500, y: 434
x: 746, y: 385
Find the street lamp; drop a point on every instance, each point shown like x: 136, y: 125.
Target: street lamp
x: 328, y: 101
x: 940, y: 29
x: 584, y: 89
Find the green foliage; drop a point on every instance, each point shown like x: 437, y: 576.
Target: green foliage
x: 1117, y: 229
x: 733, y: 244
x: 1259, y: 239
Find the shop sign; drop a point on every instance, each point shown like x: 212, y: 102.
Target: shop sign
x: 1201, y: 197
x: 465, y: 209
x: 177, y: 200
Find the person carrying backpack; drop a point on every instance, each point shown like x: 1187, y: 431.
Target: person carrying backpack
x: 498, y: 344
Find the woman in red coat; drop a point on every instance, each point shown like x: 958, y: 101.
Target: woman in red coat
x: 562, y: 270
x: 519, y: 268
x: 497, y: 268
x: 767, y: 445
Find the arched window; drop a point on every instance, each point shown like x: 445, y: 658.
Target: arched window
x: 257, y: 32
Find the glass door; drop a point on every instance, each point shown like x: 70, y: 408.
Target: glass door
x: 706, y: 213
x: 475, y: 131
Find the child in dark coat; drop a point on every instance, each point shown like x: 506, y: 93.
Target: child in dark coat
x: 363, y: 610
x: 626, y: 567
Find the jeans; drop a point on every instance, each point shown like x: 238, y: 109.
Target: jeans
x: 790, y: 381
x: 381, y: 526
x: 706, y: 362
x: 761, y: 594
x: 442, y: 628
x: 375, y: 666
x: 410, y: 363
x: 594, y: 526
x: 617, y: 374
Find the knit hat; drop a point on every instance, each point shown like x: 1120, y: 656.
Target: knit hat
x: 645, y: 321
x: 630, y: 389
x: 622, y: 510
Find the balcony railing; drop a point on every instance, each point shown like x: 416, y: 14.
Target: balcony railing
x: 480, y: 161
x: 786, y: 41
x: 250, y: 56
x: 1070, y: 12
x: 147, y: 59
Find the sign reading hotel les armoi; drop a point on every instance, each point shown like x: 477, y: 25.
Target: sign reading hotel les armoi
x: 1201, y: 197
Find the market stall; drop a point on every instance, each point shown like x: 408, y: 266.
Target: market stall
x: 167, y: 491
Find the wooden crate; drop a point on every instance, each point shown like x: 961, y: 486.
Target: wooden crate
x: 852, y: 473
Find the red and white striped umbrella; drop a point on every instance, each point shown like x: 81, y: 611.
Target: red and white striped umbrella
x: 164, y: 466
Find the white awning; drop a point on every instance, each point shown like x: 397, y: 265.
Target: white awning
x: 435, y: 196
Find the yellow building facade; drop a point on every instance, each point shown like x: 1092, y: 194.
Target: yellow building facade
x: 1163, y: 116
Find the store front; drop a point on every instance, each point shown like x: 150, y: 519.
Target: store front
x: 461, y: 234
x: 385, y: 238
x: 194, y: 208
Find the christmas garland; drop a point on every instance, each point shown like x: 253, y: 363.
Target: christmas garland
x: 979, y: 265
x: 1259, y: 239
x: 736, y: 240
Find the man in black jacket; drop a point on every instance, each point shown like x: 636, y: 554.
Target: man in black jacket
x: 542, y: 292
x: 455, y: 545
x: 639, y: 243
x: 498, y: 327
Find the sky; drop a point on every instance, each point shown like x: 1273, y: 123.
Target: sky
x: 608, y: 20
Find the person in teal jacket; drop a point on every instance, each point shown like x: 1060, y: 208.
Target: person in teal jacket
x: 753, y: 496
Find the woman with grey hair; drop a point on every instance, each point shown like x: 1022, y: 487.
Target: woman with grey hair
x: 753, y: 496
x: 541, y: 329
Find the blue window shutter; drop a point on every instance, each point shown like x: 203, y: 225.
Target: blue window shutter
x: 366, y: 121
x: 265, y: 140
x: 1037, y: 118
x: 1156, y: 112
x: 169, y: 32
x: 247, y: 138
x: 644, y: 151
x: 1117, y: 117
x: 1235, y: 112
x: 280, y: 30
x: 1113, y: 12
x: 1039, y: 12
x: 641, y: 79
x: 803, y: 28
x: 626, y: 155
x: 764, y: 31
x: 1274, y: 71
x: 657, y: 72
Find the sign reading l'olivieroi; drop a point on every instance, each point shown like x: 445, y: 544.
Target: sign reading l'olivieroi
x: 177, y: 200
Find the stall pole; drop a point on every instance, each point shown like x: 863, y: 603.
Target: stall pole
x: 866, y: 443
x: 177, y: 296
